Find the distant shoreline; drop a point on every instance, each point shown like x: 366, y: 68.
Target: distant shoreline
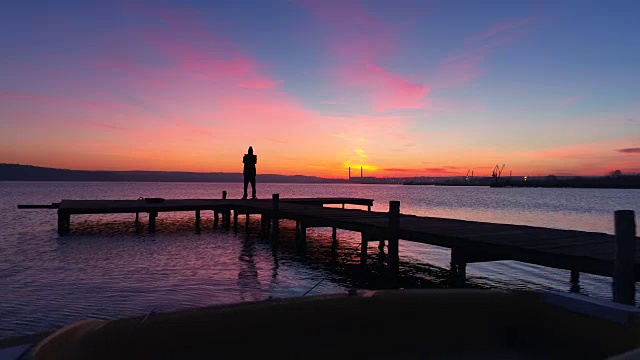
x: 29, y: 173
x: 633, y: 187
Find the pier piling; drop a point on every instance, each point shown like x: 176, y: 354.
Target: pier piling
x: 263, y: 226
x: 363, y: 248
x: 624, y: 285
x: 235, y: 219
x: 152, y: 221
x: 458, y: 265
x: 64, y: 222
x: 575, y: 281
x: 197, y: 220
x: 301, y: 242
x: 275, y: 218
x: 392, y: 237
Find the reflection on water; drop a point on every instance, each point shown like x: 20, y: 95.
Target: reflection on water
x: 248, y: 282
x: 108, y: 268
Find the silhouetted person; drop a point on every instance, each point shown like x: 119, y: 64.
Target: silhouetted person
x: 249, y: 160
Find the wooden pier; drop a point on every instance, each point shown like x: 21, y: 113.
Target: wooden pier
x: 470, y: 241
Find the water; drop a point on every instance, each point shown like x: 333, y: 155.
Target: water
x: 105, y: 269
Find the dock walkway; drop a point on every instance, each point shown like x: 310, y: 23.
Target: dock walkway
x: 470, y: 241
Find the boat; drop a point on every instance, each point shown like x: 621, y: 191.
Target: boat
x: 399, y: 324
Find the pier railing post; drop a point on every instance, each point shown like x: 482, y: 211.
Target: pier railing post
x: 393, y: 233
x: 275, y: 217
x: 624, y: 274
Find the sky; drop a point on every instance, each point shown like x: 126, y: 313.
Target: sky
x: 400, y: 88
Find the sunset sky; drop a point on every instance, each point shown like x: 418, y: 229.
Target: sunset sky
x: 402, y: 88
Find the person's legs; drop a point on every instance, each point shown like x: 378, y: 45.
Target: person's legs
x: 253, y: 187
x: 246, y: 183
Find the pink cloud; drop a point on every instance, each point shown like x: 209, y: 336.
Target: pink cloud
x: 389, y: 91
x: 361, y: 43
x: 635, y: 150
x: 501, y: 28
x: 465, y: 65
x: 569, y: 101
x: 593, y: 158
x: 454, y: 105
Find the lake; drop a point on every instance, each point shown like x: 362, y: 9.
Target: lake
x: 106, y: 269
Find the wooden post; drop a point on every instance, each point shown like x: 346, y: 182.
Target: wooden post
x: 458, y: 265
x: 624, y: 284
x: 263, y: 225
x: 226, y: 219
x: 226, y: 214
x: 363, y: 249
x: 235, y: 219
x: 198, y: 220
x: 246, y: 221
x: 137, y: 218
x: 152, y: 222
x: 381, y: 246
x: 575, y: 281
x: 393, y: 230
x: 215, y: 219
x: 302, y: 237
x: 64, y: 222
x: 343, y: 205
x: 275, y: 217
x: 297, y: 230
x: 267, y: 226
x: 368, y: 207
